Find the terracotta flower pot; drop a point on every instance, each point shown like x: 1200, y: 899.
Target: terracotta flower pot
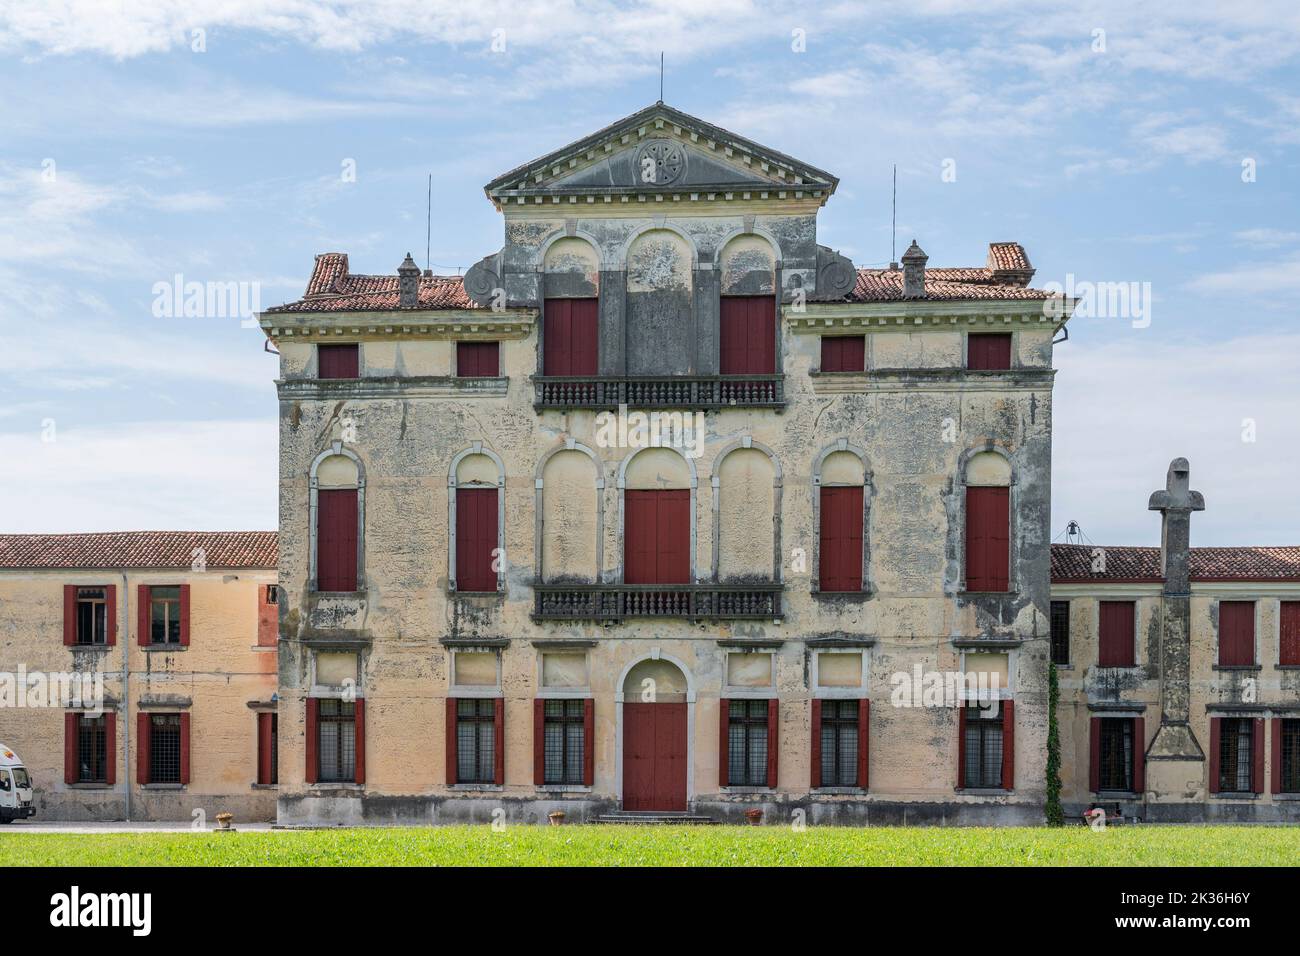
x: 754, y: 816
x: 556, y: 817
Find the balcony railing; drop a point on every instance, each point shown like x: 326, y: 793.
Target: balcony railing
x: 635, y: 391
x: 616, y: 602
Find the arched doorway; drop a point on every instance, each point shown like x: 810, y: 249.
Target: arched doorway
x: 655, y: 695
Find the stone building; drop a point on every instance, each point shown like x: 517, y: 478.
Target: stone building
x: 1180, y: 673
x: 138, y: 672
x: 665, y: 507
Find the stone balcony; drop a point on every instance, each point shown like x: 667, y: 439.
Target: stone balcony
x: 694, y: 602
x: 678, y: 391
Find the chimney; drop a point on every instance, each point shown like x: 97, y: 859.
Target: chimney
x: 408, y: 283
x: 914, y: 261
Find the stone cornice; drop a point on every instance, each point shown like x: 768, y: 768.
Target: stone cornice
x: 931, y: 379
x: 459, y: 324
x: 411, y: 386
x: 903, y: 316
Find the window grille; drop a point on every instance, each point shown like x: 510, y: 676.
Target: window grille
x: 92, y: 750
x: 165, y: 748
x: 1290, y: 744
x: 983, y: 750
x: 839, y: 743
x: 747, y: 743
x: 1116, y: 754
x: 1234, y: 755
x: 338, y: 741
x: 1060, y: 625
x: 564, y: 733
x: 476, y: 740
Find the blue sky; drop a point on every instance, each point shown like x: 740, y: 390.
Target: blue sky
x: 128, y: 156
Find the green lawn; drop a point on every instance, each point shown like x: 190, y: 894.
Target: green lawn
x: 666, y: 846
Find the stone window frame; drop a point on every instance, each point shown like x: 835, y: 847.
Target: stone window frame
x: 570, y: 444
x: 715, y: 482
x: 694, y: 506
x: 1013, y: 516
x: 764, y: 692
x: 868, y: 492
x: 966, y: 333
x: 336, y: 448
x: 1258, y: 604
x: 476, y: 448
x: 839, y: 693
x: 478, y: 691
x: 538, y: 266
x: 333, y: 691
x: 713, y: 264
x: 1007, y: 691
x: 1095, y: 627
x: 562, y: 693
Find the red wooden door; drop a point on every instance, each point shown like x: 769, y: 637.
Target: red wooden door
x: 657, y: 537
x: 336, y: 539
x: 988, y: 555
x: 747, y: 335
x: 840, y: 555
x: 654, y: 756
x: 476, y: 539
x: 570, y: 337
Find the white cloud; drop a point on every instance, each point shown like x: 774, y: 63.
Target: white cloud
x: 1276, y: 277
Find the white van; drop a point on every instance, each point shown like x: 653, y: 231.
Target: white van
x: 15, y: 787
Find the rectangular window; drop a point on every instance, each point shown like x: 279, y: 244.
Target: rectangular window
x: 988, y: 533
x: 92, y: 749
x: 982, y: 748
x: 165, y: 748
x: 268, y: 745
x: 336, y: 539
x: 1287, y: 764
x: 564, y: 732
x: 476, y: 539
x: 1116, y: 640
x: 478, y: 359
x: 747, y: 335
x: 165, y: 615
x: 337, y: 746
x: 988, y: 352
x: 1236, y: 633
x: 1115, y: 770
x: 1289, y: 634
x: 1060, y: 624
x: 475, y: 740
x: 570, y: 336
x: 839, y: 743
x: 844, y: 353
x: 657, y: 536
x: 839, y: 552
x: 92, y: 616
x: 747, y: 744
x: 338, y: 361
x: 1236, y: 751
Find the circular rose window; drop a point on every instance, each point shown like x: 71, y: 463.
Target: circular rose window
x: 659, y: 162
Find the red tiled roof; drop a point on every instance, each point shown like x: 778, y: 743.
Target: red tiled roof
x: 332, y: 288
x: 886, y: 285
x: 140, y: 549
x: 1073, y: 563
x: 1009, y: 257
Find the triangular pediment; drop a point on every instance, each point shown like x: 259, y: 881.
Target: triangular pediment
x: 660, y: 149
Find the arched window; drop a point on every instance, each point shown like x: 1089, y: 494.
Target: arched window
x: 746, y: 484
x: 337, y: 509
x: 747, y: 310
x: 571, y: 310
x: 987, y: 478
x: 570, y: 527
x: 840, y: 479
x: 476, y: 483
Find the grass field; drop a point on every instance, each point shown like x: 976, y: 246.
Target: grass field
x: 666, y: 846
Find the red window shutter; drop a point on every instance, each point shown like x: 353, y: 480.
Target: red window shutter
x: 988, y: 524
x: 143, y: 616
x: 589, y: 742
x: 142, y: 725
x: 336, y: 539
x: 844, y: 353
x: 312, y: 747
x: 1276, y: 767
x: 840, y: 547
x: 773, y: 741
x: 110, y: 747
x: 539, y: 741
x: 478, y: 359
x: 338, y: 361
x: 1289, y: 634
x: 450, y: 734
x: 988, y: 352
x: 268, y: 619
x: 961, y: 747
x: 476, y: 539
x: 724, y: 738
x: 185, y: 615
x: 69, y: 614
x: 1008, y: 745
x: 1214, y: 754
x: 1139, y: 754
x: 657, y: 536
x: 864, y: 744
x: 499, y: 748
x: 70, y: 769
x: 747, y: 335
x: 359, y: 729
x: 1257, y: 755
x: 815, y: 776
x: 674, y: 525
x: 1094, y: 754
x: 570, y: 337
x: 1116, y: 644
x: 1236, y: 633
x: 110, y: 614
x: 185, y: 748
x: 265, y: 746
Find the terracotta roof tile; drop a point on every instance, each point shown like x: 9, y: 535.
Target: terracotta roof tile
x: 1008, y: 257
x: 1073, y: 563
x: 886, y: 285
x: 140, y: 549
